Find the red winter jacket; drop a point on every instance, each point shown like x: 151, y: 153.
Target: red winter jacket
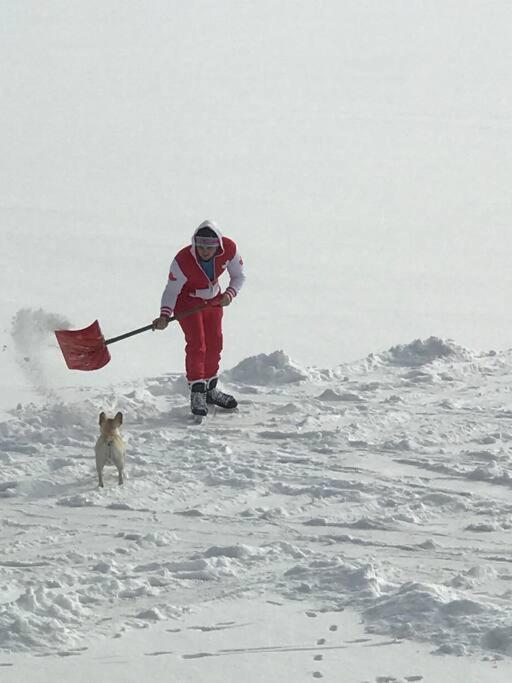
x: 188, y: 284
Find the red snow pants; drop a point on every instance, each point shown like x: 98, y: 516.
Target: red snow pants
x: 203, y: 337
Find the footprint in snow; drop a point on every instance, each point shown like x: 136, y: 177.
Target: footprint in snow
x: 392, y: 679
x: 320, y: 641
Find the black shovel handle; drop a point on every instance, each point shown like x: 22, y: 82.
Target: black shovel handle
x: 150, y: 327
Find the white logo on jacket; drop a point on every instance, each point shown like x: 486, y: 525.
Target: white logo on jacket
x: 209, y: 293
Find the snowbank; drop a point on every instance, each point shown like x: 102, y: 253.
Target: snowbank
x: 351, y: 465
x: 450, y: 618
x: 273, y: 369
x: 422, y: 352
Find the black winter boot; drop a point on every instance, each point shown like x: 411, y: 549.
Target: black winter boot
x: 198, y: 398
x: 219, y: 398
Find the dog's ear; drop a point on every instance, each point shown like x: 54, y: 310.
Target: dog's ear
x: 119, y: 418
x: 102, y: 418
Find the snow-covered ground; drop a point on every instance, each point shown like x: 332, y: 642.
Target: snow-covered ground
x: 349, y: 522
x: 363, y: 506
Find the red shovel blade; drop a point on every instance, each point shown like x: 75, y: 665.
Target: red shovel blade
x: 83, y: 349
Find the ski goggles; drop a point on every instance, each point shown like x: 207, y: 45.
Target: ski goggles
x: 206, y: 241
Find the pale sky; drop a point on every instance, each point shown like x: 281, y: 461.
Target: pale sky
x: 359, y: 152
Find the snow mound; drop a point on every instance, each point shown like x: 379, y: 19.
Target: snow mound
x: 331, y: 395
x: 77, y: 501
x: 75, y: 423
x: 422, y: 352
x: 55, y: 422
x: 498, y: 639
x: 168, y: 385
x: 440, y: 614
x: 491, y: 472
x: 41, y: 618
x: 274, y: 368
x: 345, y: 581
x: 240, y: 551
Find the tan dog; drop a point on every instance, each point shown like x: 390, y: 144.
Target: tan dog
x: 110, y: 448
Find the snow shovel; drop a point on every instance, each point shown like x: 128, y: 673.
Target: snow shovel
x: 87, y: 349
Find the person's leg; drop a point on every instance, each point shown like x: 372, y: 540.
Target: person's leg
x: 212, y: 320
x: 195, y: 352
x: 195, y: 346
x: 213, y: 338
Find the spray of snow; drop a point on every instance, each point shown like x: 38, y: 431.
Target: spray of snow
x: 32, y: 332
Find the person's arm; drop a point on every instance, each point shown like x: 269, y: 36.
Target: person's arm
x: 237, y: 276
x: 170, y: 294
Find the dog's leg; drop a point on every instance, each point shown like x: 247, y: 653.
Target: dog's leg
x: 99, y: 459
x: 99, y: 469
x: 120, y: 466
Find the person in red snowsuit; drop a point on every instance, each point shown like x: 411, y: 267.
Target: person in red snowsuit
x: 194, y: 281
